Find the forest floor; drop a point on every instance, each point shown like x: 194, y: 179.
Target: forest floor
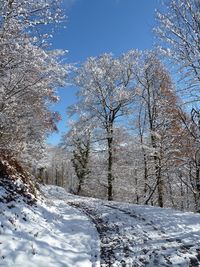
x: 63, y: 230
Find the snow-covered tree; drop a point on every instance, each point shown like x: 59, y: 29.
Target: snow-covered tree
x: 190, y: 160
x: 77, y: 142
x: 106, y: 89
x: 158, y: 119
x: 179, y: 31
x: 29, y: 74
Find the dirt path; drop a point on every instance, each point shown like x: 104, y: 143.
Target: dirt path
x: 128, y: 244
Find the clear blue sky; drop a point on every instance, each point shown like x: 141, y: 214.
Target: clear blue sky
x: 98, y: 26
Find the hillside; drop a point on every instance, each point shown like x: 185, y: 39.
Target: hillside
x: 64, y: 230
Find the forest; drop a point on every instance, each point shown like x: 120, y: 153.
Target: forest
x: 134, y: 131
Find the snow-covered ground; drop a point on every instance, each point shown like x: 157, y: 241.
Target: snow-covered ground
x: 66, y: 230
x: 135, y: 235
x: 51, y: 234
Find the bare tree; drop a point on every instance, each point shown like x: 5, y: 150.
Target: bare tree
x: 159, y: 104
x: 179, y: 27
x: 106, y: 89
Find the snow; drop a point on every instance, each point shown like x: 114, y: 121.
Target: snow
x: 67, y: 230
x: 136, y: 235
x: 49, y: 234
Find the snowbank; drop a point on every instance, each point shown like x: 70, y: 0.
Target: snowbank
x: 50, y: 233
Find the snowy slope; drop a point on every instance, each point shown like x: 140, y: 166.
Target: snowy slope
x: 66, y: 230
x: 51, y: 234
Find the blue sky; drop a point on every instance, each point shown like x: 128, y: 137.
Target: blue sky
x: 98, y: 26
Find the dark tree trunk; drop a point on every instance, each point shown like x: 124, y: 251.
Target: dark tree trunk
x: 46, y: 177
x: 157, y: 163
x: 56, y: 180
x: 160, y: 186
x: 79, y: 186
x: 110, y: 163
x: 159, y: 181
x: 136, y: 187
x: 197, y: 204
x: 145, y: 167
x: 145, y: 174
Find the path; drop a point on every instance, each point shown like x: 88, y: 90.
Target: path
x: 128, y: 239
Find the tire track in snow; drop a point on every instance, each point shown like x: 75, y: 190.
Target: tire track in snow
x: 116, y: 246
x: 129, y: 244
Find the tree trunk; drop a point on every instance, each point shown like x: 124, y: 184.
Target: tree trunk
x: 171, y: 195
x: 160, y: 181
x: 80, y: 183
x: 182, y: 195
x: 136, y: 187
x: 62, y: 174
x: 56, y: 180
x: 46, y: 177
x: 110, y: 163
x: 197, y: 204
x: 145, y: 174
x: 157, y: 163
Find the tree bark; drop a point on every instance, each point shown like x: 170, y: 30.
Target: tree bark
x: 110, y: 163
x: 157, y: 163
x: 80, y: 183
x: 160, y: 184
x: 197, y: 204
